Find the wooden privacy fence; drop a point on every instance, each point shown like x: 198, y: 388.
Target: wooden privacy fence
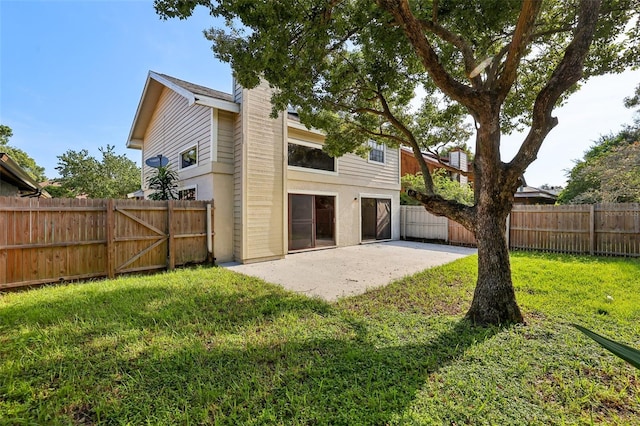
x: 50, y: 240
x: 603, y: 229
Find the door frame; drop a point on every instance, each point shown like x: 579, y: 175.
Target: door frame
x: 378, y: 196
x: 336, y: 216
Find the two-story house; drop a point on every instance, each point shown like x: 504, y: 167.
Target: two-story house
x: 275, y: 190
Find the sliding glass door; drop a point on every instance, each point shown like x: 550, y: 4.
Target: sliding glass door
x: 311, y: 221
x: 376, y: 219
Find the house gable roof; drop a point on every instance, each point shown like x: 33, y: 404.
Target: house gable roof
x: 193, y: 93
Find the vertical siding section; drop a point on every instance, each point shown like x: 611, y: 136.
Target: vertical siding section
x: 263, y: 176
x: 174, y: 127
x: 238, y: 172
x: 226, y: 132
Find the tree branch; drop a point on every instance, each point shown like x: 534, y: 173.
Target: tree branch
x: 566, y: 74
x: 405, y: 19
x: 518, y: 46
x: 464, y: 215
x: 468, y: 55
x: 394, y: 138
x: 415, y: 146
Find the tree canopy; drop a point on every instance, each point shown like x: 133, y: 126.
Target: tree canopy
x: 113, y: 176
x: 443, y: 184
x: 19, y: 156
x: 609, y: 171
x: 407, y: 72
x: 633, y: 101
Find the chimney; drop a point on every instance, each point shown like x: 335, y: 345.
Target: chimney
x: 458, y: 159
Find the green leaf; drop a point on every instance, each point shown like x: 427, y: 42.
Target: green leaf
x: 629, y: 354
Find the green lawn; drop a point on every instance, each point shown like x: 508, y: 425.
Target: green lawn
x: 208, y: 346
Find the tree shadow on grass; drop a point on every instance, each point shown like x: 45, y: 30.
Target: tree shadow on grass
x: 309, y: 381
x: 337, y: 372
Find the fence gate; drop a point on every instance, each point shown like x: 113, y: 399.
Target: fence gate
x: 140, y: 238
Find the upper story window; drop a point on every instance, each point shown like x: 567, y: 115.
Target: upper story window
x: 310, y: 158
x: 376, y: 153
x: 189, y: 157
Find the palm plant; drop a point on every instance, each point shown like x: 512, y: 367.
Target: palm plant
x: 163, y: 182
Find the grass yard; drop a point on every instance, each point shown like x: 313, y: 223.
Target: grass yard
x: 208, y: 346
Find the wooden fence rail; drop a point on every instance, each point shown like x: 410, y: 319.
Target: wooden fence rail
x: 603, y: 229
x: 51, y: 240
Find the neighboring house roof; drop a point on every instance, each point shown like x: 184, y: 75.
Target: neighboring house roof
x: 12, y: 173
x: 193, y: 93
x: 533, y: 195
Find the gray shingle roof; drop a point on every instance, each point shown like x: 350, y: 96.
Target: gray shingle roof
x: 196, y: 89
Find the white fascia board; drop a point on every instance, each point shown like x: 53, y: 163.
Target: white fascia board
x: 218, y: 104
x: 131, y: 142
x: 190, y: 97
x: 134, y: 143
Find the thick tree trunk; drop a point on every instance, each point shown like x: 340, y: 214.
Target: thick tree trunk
x: 494, y: 299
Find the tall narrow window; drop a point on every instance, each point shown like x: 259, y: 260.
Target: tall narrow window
x: 189, y: 157
x: 376, y: 153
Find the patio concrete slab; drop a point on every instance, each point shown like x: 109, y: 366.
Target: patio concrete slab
x: 345, y: 271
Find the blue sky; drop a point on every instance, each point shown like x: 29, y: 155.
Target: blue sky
x: 72, y: 73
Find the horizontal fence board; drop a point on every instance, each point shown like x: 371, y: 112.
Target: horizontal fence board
x: 603, y: 229
x: 420, y: 224
x: 52, y: 240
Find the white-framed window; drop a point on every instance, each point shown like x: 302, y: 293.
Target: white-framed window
x: 310, y: 157
x: 376, y: 152
x: 188, y: 193
x: 189, y: 157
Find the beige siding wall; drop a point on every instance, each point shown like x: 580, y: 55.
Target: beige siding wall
x: 238, y: 176
x: 356, y: 178
x: 351, y: 169
x: 226, y: 128
x: 174, y: 127
x: 262, y: 181
x: 223, y: 217
x: 262, y: 178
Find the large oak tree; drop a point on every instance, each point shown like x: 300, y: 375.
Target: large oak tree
x: 353, y: 68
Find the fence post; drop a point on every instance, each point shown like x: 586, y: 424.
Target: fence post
x: 171, y: 240
x: 210, y: 232
x: 592, y: 229
x: 111, y: 225
x: 403, y: 220
x: 508, y: 229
